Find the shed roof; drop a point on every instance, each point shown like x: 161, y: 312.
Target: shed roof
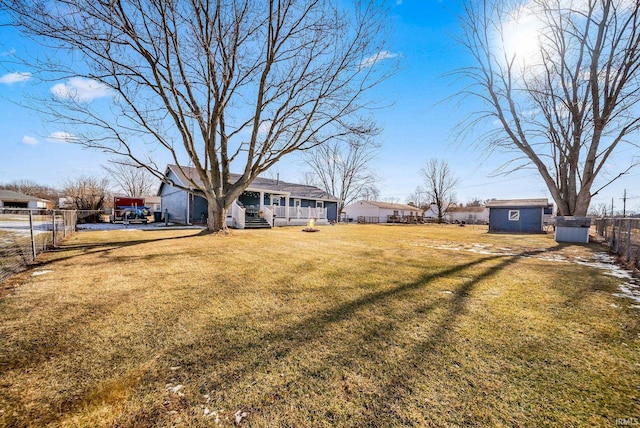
x: 390, y: 206
x: 10, y: 195
x: 259, y: 184
x: 518, y: 203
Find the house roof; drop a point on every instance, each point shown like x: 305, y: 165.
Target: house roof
x: 518, y: 203
x: 390, y: 206
x: 10, y: 195
x: 466, y: 209
x: 259, y: 184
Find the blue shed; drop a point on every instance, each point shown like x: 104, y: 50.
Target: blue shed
x: 517, y: 215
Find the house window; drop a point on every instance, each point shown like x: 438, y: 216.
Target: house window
x: 514, y: 215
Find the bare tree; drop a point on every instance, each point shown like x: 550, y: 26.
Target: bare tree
x: 599, y: 210
x: 439, y: 183
x: 211, y: 84
x: 86, y: 193
x: 370, y: 192
x: 475, y: 202
x: 343, y: 168
x: 131, y: 179
x: 568, y: 102
x: 419, y: 198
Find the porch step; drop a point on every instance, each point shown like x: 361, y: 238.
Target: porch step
x: 256, y: 223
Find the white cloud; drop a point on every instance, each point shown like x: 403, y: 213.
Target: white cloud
x: 380, y: 56
x: 29, y: 141
x: 62, y: 137
x: 11, y: 78
x: 79, y: 89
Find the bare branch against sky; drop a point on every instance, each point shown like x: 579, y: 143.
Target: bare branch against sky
x: 216, y: 85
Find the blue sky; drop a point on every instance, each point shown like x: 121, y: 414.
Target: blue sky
x: 417, y: 124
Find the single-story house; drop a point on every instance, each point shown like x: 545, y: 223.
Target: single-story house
x: 517, y: 215
x: 382, y: 212
x: 468, y: 215
x: 11, y: 199
x: 153, y: 202
x: 265, y: 203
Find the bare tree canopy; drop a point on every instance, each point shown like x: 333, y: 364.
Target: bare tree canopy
x: 217, y: 84
x: 132, y: 179
x: 343, y: 169
x: 439, y: 183
x: 419, y: 198
x: 560, y: 81
x: 86, y: 193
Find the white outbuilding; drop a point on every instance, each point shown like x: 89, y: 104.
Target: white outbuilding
x: 382, y: 212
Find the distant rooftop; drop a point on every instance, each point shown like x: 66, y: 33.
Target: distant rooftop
x: 10, y: 195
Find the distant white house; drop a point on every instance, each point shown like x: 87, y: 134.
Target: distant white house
x: 432, y: 211
x: 467, y: 215
x: 382, y: 212
x: 153, y: 202
x: 11, y: 199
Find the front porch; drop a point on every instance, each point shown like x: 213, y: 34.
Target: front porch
x: 255, y: 209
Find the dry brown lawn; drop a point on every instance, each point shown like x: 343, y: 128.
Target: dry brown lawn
x: 353, y: 326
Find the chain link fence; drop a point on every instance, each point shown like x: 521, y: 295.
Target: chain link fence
x: 623, y: 237
x: 25, y: 233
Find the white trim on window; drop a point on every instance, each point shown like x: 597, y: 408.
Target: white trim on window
x: 514, y: 215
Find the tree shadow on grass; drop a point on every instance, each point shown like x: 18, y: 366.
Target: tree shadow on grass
x: 237, y: 363
x: 232, y: 360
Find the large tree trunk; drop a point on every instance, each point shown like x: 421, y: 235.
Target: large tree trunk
x: 578, y: 209
x: 217, y: 214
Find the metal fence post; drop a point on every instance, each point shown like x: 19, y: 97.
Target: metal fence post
x: 33, y: 238
x: 628, y: 240
x: 53, y: 229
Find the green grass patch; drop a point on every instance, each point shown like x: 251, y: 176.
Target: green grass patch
x: 353, y: 326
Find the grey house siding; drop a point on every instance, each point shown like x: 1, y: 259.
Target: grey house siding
x: 530, y: 220
x: 332, y: 211
x: 174, y: 201
x: 199, y: 209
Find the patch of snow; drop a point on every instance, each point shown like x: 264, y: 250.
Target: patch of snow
x: 630, y: 291
x: 41, y: 272
x: 606, y: 262
x: 240, y: 416
x: 175, y: 389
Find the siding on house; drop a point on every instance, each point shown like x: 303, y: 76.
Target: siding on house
x: 184, y: 207
x: 174, y: 201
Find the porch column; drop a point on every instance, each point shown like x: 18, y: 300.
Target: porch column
x: 262, y: 201
x: 286, y: 209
